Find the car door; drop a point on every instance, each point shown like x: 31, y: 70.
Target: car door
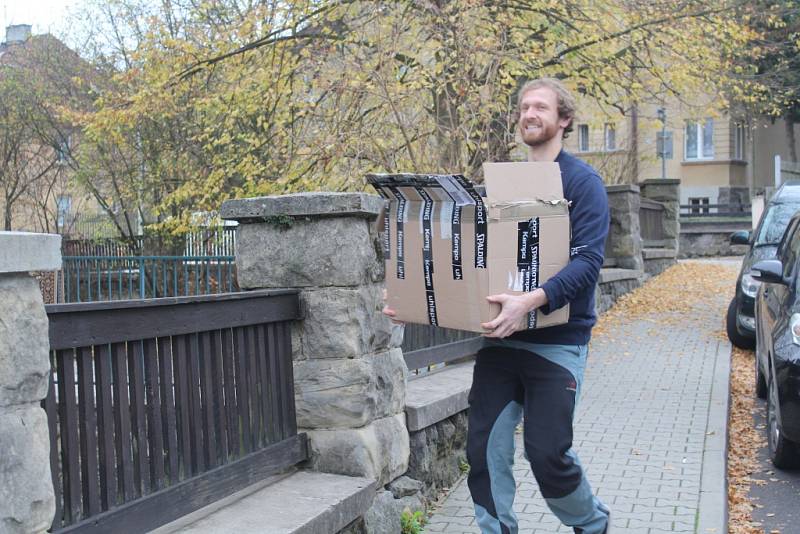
x: 775, y: 296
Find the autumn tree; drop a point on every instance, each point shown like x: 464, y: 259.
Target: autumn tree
x: 233, y: 97
x: 24, y: 160
x: 766, y: 72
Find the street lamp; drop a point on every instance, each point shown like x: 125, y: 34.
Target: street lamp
x: 662, y: 153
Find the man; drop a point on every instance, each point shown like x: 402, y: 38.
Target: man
x: 535, y: 375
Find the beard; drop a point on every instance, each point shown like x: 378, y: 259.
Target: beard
x: 539, y: 135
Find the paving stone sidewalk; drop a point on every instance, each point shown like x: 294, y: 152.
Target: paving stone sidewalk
x: 650, y: 431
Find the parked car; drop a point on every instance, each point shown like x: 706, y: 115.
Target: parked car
x: 777, y: 361
x: 740, y: 321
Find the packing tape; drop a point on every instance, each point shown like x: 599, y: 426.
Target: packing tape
x: 427, y: 254
x: 528, y: 260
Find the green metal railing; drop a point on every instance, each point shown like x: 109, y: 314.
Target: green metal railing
x: 98, y: 278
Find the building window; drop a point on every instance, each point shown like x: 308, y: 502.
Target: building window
x: 698, y: 205
x: 63, y: 206
x: 609, y: 137
x: 583, y: 138
x: 739, y: 138
x: 700, y: 140
x: 664, y: 144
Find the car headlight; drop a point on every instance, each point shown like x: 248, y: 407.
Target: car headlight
x: 794, y: 327
x: 749, y: 285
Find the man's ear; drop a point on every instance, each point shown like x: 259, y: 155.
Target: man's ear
x: 564, y: 123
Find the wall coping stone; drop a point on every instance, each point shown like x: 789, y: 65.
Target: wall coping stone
x: 434, y: 397
x: 318, y: 502
x: 616, y: 274
x: 622, y: 188
x: 714, y: 228
x: 261, y: 209
x: 661, y: 181
x: 657, y: 253
x: 28, y: 251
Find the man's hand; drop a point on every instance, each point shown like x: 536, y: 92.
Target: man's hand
x: 514, y: 308
x: 389, y: 312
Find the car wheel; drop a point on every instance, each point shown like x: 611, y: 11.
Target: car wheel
x: 761, y: 381
x: 738, y: 340
x: 783, y: 453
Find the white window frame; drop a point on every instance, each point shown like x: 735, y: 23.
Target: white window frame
x: 583, y: 138
x: 609, y: 137
x: 698, y: 205
x: 699, y: 127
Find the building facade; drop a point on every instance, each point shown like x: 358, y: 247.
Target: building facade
x: 719, y: 159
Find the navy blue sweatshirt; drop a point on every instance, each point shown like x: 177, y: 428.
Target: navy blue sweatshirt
x: 575, y: 283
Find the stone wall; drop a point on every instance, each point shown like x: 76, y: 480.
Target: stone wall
x: 710, y: 239
x: 27, y: 502
x: 613, y: 284
x: 438, y: 453
x: 624, y: 243
x: 734, y: 195
x: 658, y: 260
x: 656, y: 266
x: 349, y: 374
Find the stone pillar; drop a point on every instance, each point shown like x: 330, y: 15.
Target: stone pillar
x: 27, y: 502
x: 624, y: 243
x: 350, y: 380
x: 668, y: 192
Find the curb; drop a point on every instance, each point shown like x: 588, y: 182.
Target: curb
x: 712, y: 515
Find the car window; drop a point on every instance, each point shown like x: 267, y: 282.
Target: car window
x: 776, y: 219
x: 789, y: 249
x: 784, y: 250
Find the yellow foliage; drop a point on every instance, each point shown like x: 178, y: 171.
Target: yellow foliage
x: 235, y: 99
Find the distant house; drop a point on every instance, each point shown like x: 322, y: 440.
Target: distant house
x: 718, y: 158
x: 50, y: 201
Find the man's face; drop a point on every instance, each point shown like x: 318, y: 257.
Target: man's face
x: 538, y: 117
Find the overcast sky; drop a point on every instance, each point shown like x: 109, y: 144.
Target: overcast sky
x: 44, y: 15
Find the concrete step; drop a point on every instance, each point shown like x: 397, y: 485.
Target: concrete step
x: 300, y: 502
x: 433, y: 397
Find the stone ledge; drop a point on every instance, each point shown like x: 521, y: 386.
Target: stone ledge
x: 616, y: 274
x: 658, y: 253
x: 660, y: 181
x: 28, y: 251
x: 622, y: 188
x: 303, y: 205
x: 306, y: 502
x: 436, y: 396
x: 714, y: 228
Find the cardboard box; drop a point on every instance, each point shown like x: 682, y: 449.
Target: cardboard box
x: 447, y: 248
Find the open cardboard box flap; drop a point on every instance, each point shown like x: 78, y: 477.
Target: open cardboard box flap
x: 520, y: 181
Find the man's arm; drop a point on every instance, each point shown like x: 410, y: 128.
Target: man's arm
x: 589, y: 218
